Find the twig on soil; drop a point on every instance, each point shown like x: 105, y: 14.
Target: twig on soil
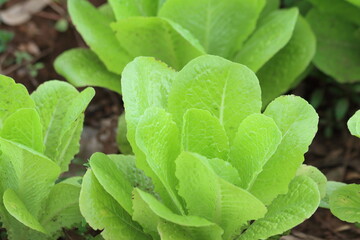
x: 47, y: 15
x: 57, y: 9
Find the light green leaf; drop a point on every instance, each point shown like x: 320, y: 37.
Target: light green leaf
x: 103, y: 212
x: 94, y: 27
x: 24, y: 127
x: 270, y: 6
x: 52, y: 100
x: 354, y: 124
x: 225, y: 170
x: 106, y: 10
x: 161, y: 3
x: 16, y: 97
x: 316, y: 175
x: 62, y: 208
x: 345, y: 203
x: 14, y: 228
x: 112, y: 180
x: 202, y: 133
x: 157, y: 37
x: 118, y: 175
x: 209, y: 196
x: 220, y: 26
x: 331, y: 186
x: 170, y: 231
x: 229, y: 91
x: 69, y: 145
x: 30, y: 175
x: 145, y: 83
x: 255, y: 142
x: 287, y: 210
x: 297, y: 120
x: 137, y: 178
x: 340, y: 9
x: 279, y: 74
x: 337, y: 46
x: 61, y: 108
x: 17, y: 209
x: 81, y: 67
x: 271, y: 36
x: 158, y: 138
x: 151, y: 214
x: 72, y: 128
x: 355, y: 2
x: 121, y: 139
x: 130, y: 8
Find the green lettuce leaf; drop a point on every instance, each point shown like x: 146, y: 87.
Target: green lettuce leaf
x: 121, y: 138
x: 286, y: 211
x: 355, y: 2
x: 345, y: 203
x: 118, y: 175
x: 30, y: 175
x: 316, y: 175
x: 337, y: 46
x: 154, y: 36
x: 106, y: 10
x: 209, y: 196
x: 217, y: 85
x: 61, y: 108
x: 255, y: 142
x: 145, y: 83
x: 354, y: 124
x: 297, y: 120
x: 220, y: 26
x: 94, y: 27
x: 331, y: 186
x: 16, y: 97
x: 137, y: 178
x: 339, y: 9
x: 81, y: 67
x: 17, y: 209
x: 225, y: 170
x: 113, y: 181
x: 271, y: 36
x: 158, y: 138
x: 282, y: 70
x: 24, y: 127
x: 62, y: 207
x: 270, y: 6
x: 103, y: 212
x: 129, y: 8
x: 202, y: 133
x: 152, y: 214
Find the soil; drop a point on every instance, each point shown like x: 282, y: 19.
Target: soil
x: 334, y: 151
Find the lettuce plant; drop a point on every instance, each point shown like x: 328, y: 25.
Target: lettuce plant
x: 39, y: 135
x: 208, y: 164
x: 344, y: 199
x: 276, y: 44
x: 336, y: 25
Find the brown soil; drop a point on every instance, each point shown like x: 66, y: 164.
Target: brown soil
x: 338, y: 156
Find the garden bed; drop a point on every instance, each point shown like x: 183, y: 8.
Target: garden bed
x: 335, y: 152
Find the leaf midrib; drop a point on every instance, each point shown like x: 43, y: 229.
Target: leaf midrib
x: 49, y: 127
x: 223, y: 96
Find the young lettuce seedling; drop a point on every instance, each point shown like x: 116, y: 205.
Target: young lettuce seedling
x: 208, y: 164
x: 344, y: 199
x: 277, y: 44
x: 39, y: 136
x: 336, y: 26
